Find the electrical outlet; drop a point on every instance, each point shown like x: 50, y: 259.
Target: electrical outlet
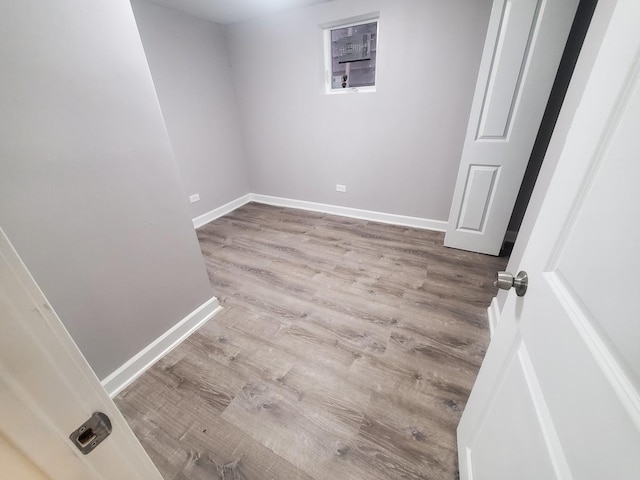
x: 341, y: 188
x: 194, y: 198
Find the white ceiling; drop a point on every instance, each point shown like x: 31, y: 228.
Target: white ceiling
x: 232, y: 11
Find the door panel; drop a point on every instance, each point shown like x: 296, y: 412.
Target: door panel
x: 581, y: 385
x: 509, y: 58
x: 601, y: 211
x: 47, y: 389
x: 578, y: 322
x: 481, y: 182
x: 512, y: 409
x: 522, y: 51
x: 13, y: 464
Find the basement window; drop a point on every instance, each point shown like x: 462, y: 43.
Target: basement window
x: 350, y: 56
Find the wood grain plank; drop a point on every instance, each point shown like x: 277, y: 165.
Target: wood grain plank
x: 346, y: 350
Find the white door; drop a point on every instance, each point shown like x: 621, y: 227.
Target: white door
x: 558, y: 394
x: 522, y: 52
x: 48, y: 390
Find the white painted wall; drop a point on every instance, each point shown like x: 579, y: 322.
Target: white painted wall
x: 396, y: 150
x: 189, y: 62
x: 89, y: 190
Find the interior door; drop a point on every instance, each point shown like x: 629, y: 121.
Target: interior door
x: 522, y: 52
x: 558, y: 394
x: 48, y: 390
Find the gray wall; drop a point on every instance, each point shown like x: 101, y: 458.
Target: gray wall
x: 396, y: 150
x: 89, y: 190
x: 189, y: 63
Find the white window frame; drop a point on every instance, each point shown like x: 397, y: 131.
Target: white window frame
x: 328, y: 63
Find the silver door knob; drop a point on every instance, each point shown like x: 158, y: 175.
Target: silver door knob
x: 506, y: 280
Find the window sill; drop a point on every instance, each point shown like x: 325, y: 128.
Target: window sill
x: 342, y: 91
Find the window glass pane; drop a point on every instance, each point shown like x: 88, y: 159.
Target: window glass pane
x: 353, y: 56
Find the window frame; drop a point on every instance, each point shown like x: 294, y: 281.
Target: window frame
x: 328, y: 61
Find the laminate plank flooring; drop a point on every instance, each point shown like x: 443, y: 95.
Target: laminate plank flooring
x: 346, y: 350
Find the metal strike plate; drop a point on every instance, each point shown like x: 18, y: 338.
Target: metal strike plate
x: 91, y: 433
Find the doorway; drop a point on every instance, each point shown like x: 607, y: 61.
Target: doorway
x: 578, y: 32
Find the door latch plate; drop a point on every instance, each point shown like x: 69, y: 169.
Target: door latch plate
x: 91, y: 433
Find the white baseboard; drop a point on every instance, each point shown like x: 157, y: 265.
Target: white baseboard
x: 162, y: 345
x: 493, y: 312
x: 403, y: 220
x: 220, y: 211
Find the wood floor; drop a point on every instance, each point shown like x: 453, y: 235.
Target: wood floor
x: 346, y: 350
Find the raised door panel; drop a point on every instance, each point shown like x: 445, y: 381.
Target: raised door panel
x: 594, y: 408
x: 606, y: 208
x: 15, y: 465
x: 581, y: 318
x: 511, y: 428
x: 478, y: 195
x: 510, y: 56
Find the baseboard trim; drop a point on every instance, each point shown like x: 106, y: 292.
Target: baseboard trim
x: 162, y: 345
x: 402, y: 220
x: 493, y: 313
x: 221, y: 211
x: 393, y: 219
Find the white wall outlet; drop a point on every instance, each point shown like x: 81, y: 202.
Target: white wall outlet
x: 341, y: 188
x: 194, y: 198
